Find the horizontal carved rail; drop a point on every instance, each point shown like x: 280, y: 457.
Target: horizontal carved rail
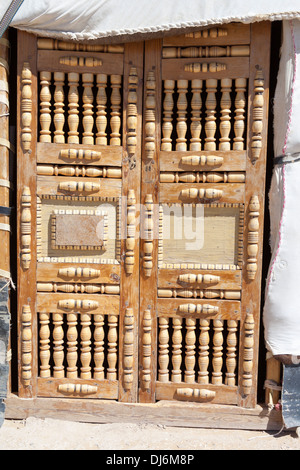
x: 78, y: 272
x: 194, y: 193
x: 70, y: 304
x: 199, y: 308
x: 199, y: 278
x: 74, y: 186
x: 80, y: 389
x: 202, y: 160
x: 195, y: 393
x: 80, y: 154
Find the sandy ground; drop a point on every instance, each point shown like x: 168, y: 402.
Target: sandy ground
x: 51, y: 434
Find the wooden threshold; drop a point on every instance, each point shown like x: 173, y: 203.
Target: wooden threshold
x: 193, y: 415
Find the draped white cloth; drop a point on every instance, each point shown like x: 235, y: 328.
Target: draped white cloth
x: 76, y: 19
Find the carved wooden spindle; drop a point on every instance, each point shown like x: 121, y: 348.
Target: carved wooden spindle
x: 78, y: 389
x: 44, y: 345
x: 26, y: 228
x: 199, y: 278
x: 115, y: 117
x: 253, y: 237
x: 217, y: 360
x: 112, y: 347
x: 26, y: 107
x: 88, y: 99
x: 72, y: 348
x: 176, y: 350
x: 203, y: 67
x: 203, y: 359
x: 239, y: 118
x: 248, y: 354
x: 26, y: 345
x: 128, y: 349
x: 163, y: 353
x: 196, y: 103
x: 181, y: 126
x: 206, y: 309
x: 148, y: 236
x: 59, y: 115
x: 58, y: 345
x: 85, y: 273
x: 202, y: 160
x: 130, y: 239
x: 225, y: 125
x: 146, y: 350
x: 210, y: 119
x: 133, y: 80
x: 73, y: 112
x: 38, y: 226
x: 258, y: 114
x: 80, y: 154
x: 150, y: 117
x: 85, y: 346
x: 101, y: 119
x: 195, y: 393
x: 231, y: 352
x: 45, y: 107
x: 74, y: 186
x: 194, y: 193
x: 168, y: 104
x: 99, y: 347
x: 190, y: 345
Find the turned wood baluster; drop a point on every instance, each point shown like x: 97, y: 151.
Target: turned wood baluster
x: 59, y: 116
x: 150, y: 118
x: 146, y: 350
x: 203, y: 360
x: 225, y: 125
x: 190, y: 344
x: 73, y: 112
x: 181, y: 127
x: 128, y: 349
x: 115, y: 118
x: 210, y: 119
x: 87, y: 98
x: 112, y: 350
x: 132, y: 113
x: 45, y: 107
x: 196, y: 104
x: 258, y: 114
x: 217, y: 360
x: 231, y: 352
x: 99, y: 347
x: 176, y: 350
x: 58, y: 345
x: 72, y: 350
x: 163, y: 354
x: 26, y: 345
x: 248, y: 354
x: 85, y: 349
x: 44, y: 345
x: 148, y: 236
x: 239, y: 118
x: 26, y: 107
x: 101, y: 119
x: 168, y: 104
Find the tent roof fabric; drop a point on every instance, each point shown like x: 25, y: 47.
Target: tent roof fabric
x: 126, y: 19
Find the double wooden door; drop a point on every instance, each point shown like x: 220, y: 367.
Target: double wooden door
x: 140, y: 216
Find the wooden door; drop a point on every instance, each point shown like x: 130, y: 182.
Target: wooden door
x: 141, y: 197
x: 203, y: 170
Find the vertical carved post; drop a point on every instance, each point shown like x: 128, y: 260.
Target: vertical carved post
x: 248, y: 353
x: 239, y: 118
x: 115, y: 118
x: 150, y: 116
x: 231, y: 352
x: 258, y: 111
x: 85, y: 350
x: 99, y: 347
x: 196, y: 115
x: 190, y: 344
x: 58, y: 348
x: 26, y: 228
x: 253, y: 228
x: 59, y: 116
x: 176, y: 350
x: 167, y: 127
x: 146, y: 350
x: 112, y: 338
x: 163, y: 354
x: 217, y: 361
x: 128, y: 349
x: 132, y: 111
x: 26, y: 107
x: 181, y: 127
x: 130, y: 239
x: 87, y: 98
x: 148, y: 236
x: 45, y: 107
x: 73, y: 112
x: 210, y: 124
x: 203, y: 352
x: 72, y: 354
x: 101, y: 119
x: 226, y: 84
x: 44, y: 345
x: 26, y: 345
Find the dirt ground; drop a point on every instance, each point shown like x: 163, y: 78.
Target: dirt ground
x: 51, y: 434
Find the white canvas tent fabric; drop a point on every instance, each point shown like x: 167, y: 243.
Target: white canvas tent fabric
x: 94, y: 19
